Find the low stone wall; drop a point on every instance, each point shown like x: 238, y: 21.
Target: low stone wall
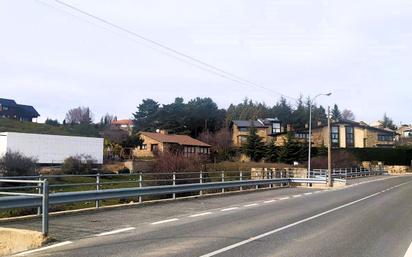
x: 19, y: 240
x: 396, y: 169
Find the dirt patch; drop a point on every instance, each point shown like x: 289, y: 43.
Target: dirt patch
x: 18, y: 240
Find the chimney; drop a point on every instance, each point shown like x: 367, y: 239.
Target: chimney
x: 288, y: 127
x: 306, y: 125
x: 162, y: 131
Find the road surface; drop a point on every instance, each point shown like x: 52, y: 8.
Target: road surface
x: 369, y: 219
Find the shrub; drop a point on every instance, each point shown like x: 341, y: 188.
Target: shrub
x: 340, y: 159
x: 16, y: 164
x: 79, y: 164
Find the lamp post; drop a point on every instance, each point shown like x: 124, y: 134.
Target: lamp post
x: 310, y: 130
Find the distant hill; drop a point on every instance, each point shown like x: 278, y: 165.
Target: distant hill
x: 10, y: 125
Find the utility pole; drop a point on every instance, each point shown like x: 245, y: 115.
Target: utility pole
x: 329, y: 151
x: 310, y: 131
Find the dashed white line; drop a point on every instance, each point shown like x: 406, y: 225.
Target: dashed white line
x: 164, y: 221
x: 308, y: 193
x: 409, y: 251
x: 43, y: 248
x: 317, y: 192
x: 230, y: 209
x: 284, y: 198
x: 116, y: 231
x: 200, y: 214
x: 269, y: 201
x: 296, y: 196
x: 250, y: 205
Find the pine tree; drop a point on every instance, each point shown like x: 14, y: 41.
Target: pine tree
x: 271, y: 154
x: 336, y: 114
x: 254, y: 147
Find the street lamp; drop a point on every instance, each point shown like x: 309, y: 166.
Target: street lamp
x: 310, y: 128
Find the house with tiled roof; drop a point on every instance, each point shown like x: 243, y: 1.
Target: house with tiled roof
x: 161, y: 141
x: 12, y: 110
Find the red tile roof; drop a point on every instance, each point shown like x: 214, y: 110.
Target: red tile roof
x: 176, y: 139
x: 123, y: 122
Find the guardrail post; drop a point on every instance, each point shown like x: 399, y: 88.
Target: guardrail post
x: 45, y: 208
x: 270, y: 177
x: 39, y: 190
x: 223, y: 180
x: 201, y: 182
x: 140, y: 184
x: 240, y: 179
x: 97, y: 188
x: 174, y: 183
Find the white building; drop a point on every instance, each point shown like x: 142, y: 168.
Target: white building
x: 51, y: 149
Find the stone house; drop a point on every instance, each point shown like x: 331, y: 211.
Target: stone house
x: 267, y: 129
x: 351, y: 134
x: 159, y: 142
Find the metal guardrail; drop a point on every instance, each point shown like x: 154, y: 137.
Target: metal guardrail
x: 43, y: 198
x: 23, y: 200
x: 347, y: 173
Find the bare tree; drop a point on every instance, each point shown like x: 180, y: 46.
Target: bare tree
x: 79, y: 115
x: 348, y: 115
x: 107, y: 119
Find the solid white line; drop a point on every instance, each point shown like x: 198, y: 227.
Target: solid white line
x: 269, y: 201
x: 296, y: 196
x: 249, y: 205
x: 284, y: 198
x: 200, y: 214
x: 43, y: 248
x: 227, y: 248
x: 230, y: 209
x: 115, y: 231
x: 409, y: 251
x: 164, y: 221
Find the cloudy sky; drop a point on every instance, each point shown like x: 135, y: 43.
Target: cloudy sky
x: 56, y: 58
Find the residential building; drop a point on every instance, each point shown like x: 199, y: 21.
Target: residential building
x: 10, y: 109
x: 404, y: 135
x: 126, y: 125
x: 267, y: 129
x: 351, y: 134
x: 159, y: 142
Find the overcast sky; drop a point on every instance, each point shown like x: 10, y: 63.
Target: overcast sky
x: 55, y: 58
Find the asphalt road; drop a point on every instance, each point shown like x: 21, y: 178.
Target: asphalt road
x: 368, y: 219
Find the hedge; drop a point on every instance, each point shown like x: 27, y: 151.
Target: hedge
x: 389, y: 156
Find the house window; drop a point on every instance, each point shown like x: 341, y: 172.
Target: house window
x: 242, y: 139
x: 350, y: 139
x: 275, y: 128
x: 300, y: 135
x: 243, y: 129
x: 385, y: 137
x: 143, y: 147
x: 335, y: 136
x: 5, y: 108
x: 154, y: 147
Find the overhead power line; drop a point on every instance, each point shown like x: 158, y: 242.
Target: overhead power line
x: 176, y: 53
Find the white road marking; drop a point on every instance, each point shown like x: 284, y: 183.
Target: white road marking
x: 164, y: 221
x: 116, y: 231
x: 269, y: 201
x: 296, y: 196
x: 308, y: 193
x: 230, y: 247
x: 230, y: 209
x: 43, y: 248
x: 284, y: 198
x: 250, y: 205
x: 409, y: 251
x: 200, y: 214
x: 316, y: 192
